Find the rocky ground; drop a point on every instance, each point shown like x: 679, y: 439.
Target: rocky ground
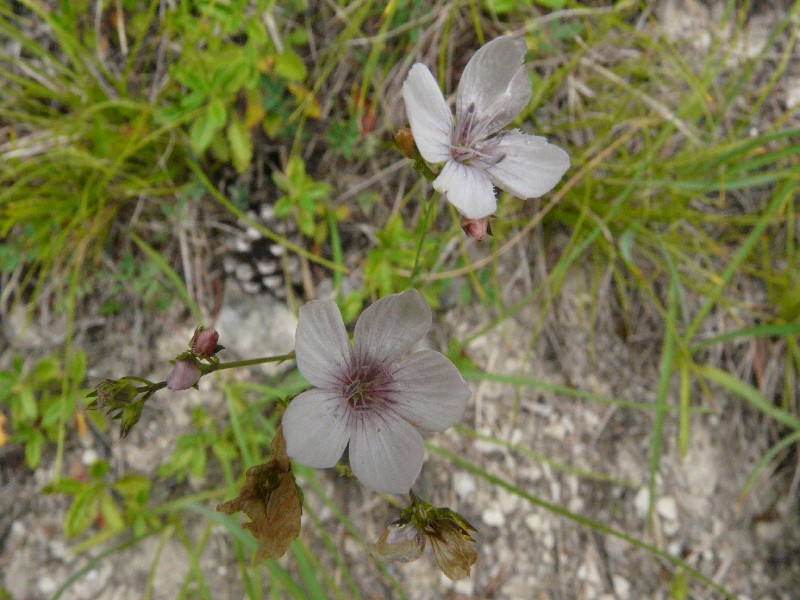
x: 589, y: 458
x: 747, y: 544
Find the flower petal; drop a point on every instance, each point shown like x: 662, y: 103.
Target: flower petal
x: 391, y: 327
x: 528, y: 166
x: 430, y: 392
x: 316, y: 428
x: 430, y: 118
x: 386, y: 453
x: 321, y: 344
x: 468, y: 188
x: 494, y: 89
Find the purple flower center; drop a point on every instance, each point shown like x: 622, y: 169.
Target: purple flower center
x: 366, y: 385
x: 465, y: 154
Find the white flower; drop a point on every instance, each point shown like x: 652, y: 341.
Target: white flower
x: 367, y: 395
x: 493, y: 90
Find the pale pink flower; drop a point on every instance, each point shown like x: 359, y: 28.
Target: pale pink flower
x: 368, y: 395
x: 493, y: 90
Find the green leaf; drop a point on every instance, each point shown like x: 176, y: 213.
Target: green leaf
x: 76, y: 367
x: 7, y: 381
x: 46, y: 370
x: 202, y: 131
x: 289, y: 65
x: 52, y: 410
x: 131, y: 486
x: 33, y: 448
x: 217, y: 113
x: 241, y: 145
x: 99, y: 469
x: 27, y: 404
x: 82, y: 512
x: 111, y: 514
x: 64, y: 486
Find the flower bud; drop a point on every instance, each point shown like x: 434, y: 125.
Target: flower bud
x: 400, y: 542
x: 476, y: 228
x: 113, y: 393
x: 405, y: 141
x: 204, y: 342
x: 183, y: 375
x: 130, y: 416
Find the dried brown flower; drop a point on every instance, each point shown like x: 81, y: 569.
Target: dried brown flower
x: 454, y: 549
x: 272, y: 500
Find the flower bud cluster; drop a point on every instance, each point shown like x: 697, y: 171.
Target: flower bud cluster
x: 122, y: 400
x: 187, y: 369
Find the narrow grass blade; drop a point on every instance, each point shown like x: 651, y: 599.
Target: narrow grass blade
x: 757, y: 331
x: 767, y: 218
x: 768, y: 457
x: 308, y: 571
x: 170, y: 274
x: 749, y: 393
x: 665, y: 376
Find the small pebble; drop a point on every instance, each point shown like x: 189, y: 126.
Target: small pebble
x: 493, y: 517
x: 667, y: 508
x: 622, y: 587
x: 464, y: 485
x: 89, y: 456
x: 47, y: 585
x: 642, y: 502
x: 535, y: 522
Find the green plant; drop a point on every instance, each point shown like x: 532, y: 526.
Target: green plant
x: 304, y: 199
x: 39, y: 403
x: 233, y: 77
x: 111, y: 506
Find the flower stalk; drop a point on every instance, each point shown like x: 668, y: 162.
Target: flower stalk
x: 123, y: 399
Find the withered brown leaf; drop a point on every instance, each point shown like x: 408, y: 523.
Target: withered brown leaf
x: 272, y: 500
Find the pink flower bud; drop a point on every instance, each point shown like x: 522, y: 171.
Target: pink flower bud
x: 204, y: 343
x: 183, y: 375
x: 476, y: 228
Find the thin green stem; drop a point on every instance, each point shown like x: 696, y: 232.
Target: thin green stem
x: 425, y: 221
x: 253, y: 361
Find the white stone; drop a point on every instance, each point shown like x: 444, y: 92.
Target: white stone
x: 516, y: 436
x: 667, y: 508
x: 464, y: 587
x: 47, y: 585
x: 670, y: 528
x: 588, y: 572
x: 548, y: 540
x: 89, y: 456
x: 622, y: 587
x: 535, y: 522
x: 507, y: 502
x: 493, y: 517
x: 642, y: 502
x: 464, y: 485
x: 576, y: 504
